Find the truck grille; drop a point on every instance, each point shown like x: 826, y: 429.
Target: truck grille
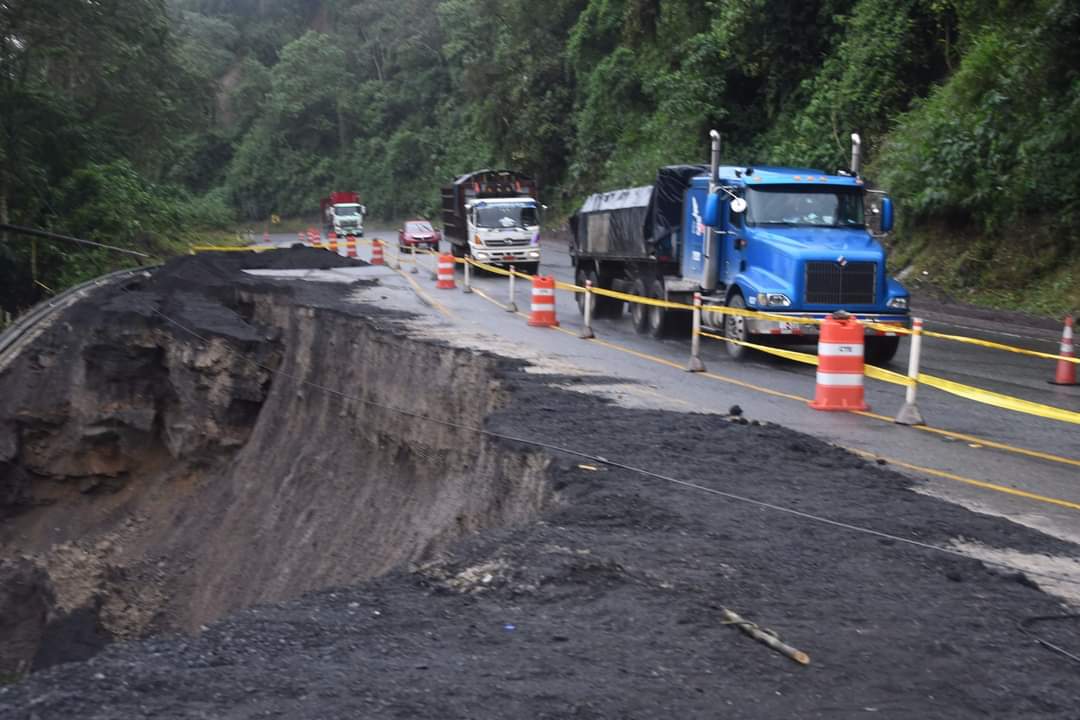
x: 503, y: 242
x: 830, y: 283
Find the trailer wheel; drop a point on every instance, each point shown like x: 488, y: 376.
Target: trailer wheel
x: 659, y: 318
x: 457, y: 250
x: 639, y: 312
x: 735, y: 328
x: 881, y: 350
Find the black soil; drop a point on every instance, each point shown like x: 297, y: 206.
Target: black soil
x: 609, y: 605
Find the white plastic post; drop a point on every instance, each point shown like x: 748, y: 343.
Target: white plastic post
x: 909, y: 414
x: 695, y: 364
x: 468, y: 276
x: 587, y: 331
x: 511, y: 306
x: 412, y: 253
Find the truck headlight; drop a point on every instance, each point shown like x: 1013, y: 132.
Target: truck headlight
x: 534, y: 254
x: 774, y: 300
x: 481, y: 256
x: 898, y: 303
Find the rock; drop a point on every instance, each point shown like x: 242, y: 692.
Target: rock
x: 26, y: 604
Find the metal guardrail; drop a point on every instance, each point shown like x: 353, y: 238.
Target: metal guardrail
x: 25, y: 324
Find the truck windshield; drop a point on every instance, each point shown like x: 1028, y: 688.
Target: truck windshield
x: 346, y: 209
x: 818, y: 206
x: 506, y: 216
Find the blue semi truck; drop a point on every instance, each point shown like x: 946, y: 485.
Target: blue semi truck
x: 787, y: 241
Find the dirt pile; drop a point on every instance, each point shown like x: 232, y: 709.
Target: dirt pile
x: 162, y: 461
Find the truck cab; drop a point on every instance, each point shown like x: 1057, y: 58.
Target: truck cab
x: 792, y: 241
x: 343, y: 214
x: 494, y: 217
x: 505, y: 231
x: 347, y: 219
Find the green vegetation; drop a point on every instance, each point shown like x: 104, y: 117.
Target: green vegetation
x: 140, y: 121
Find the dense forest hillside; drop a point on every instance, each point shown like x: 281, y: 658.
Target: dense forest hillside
x: 140, y: 121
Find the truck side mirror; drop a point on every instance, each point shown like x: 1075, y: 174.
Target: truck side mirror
x: 886, y: 214
x: 711, y: 218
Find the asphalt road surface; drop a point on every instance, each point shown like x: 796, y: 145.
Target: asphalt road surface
x: 988, y: 459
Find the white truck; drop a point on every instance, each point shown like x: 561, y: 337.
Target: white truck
x: 493, y: 216
x: 343, y: 214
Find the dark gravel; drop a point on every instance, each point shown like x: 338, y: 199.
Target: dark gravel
x: 609, y: 606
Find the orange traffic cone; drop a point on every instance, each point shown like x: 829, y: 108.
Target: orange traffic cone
x: 446, y: 273
x: 376, y: 252
x: 543, y: 302
x: 840, y: 365
x: 1066, y: 371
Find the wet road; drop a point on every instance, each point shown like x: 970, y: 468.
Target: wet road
x: 986, y: 458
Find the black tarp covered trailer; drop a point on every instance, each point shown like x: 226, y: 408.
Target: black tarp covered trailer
x: 635, y: 224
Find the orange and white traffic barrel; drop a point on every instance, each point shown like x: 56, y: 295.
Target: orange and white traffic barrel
x: 313, y: 237
x: 350, y: 246
x: 543, y: 302
x: 376, y: 252
x: 446, y: 272
x: 840, y: 365
x: 1066, y: 371
x: 332, y: 243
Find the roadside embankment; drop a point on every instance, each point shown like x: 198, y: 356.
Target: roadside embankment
x: 162, y: 461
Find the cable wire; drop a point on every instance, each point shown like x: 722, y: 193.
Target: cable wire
x: 1024, y: 624
x: 19, y: 229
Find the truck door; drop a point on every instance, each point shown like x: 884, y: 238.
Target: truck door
x: 732, y: 236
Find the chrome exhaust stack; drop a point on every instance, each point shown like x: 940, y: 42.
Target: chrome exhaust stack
x: 856, y: 154
x: 710, y: 269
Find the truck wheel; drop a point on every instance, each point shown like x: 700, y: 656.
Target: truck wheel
x: 530, y: 268
x: 457, y: 250
x: 639, y: 312
x: 881, y: 350
x: 735, y: 328
x: 659, y: 318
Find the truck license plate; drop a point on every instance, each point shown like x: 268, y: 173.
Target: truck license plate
x: 508, y: 257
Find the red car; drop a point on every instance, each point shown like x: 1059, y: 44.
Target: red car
x: 420, y: 234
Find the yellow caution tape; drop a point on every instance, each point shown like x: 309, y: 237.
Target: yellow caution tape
x: 987, y: 397
x: 779, y: 352
x: 999, y: 346
x: 1008, y: 402
x: 888, y: 376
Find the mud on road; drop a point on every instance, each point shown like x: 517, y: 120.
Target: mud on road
x: 463, y: 575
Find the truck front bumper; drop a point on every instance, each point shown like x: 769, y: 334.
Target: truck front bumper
x: 506, y: 255
x: 795, y: 329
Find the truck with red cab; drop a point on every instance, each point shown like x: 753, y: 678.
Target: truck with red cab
x: 343, y: 214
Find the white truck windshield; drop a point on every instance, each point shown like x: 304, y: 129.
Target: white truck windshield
x: 817, y: 206
x: 346, y: 209
x: 506, y: 216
